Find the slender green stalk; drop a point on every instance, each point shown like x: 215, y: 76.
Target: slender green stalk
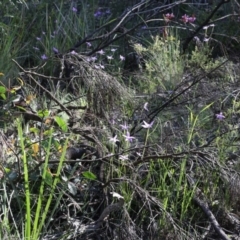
x: 145, y: 143
x: 49, y: 201
x: 194, y: 120
x: 181, y: 177
x: 41, y: 191
x: 27, y: 233
x: 57, y: 201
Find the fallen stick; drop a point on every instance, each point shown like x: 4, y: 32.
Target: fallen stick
x: 204, y: 206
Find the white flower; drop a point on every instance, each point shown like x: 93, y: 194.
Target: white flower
x: 124, y: 127
x: 128, y: 138
x: 88, y: 44
x: 206, y: 27
x: 116, y: 195
x: 123, y: 157
x: 147, y: 125
x: 93, y: 59
x: 97, y: 67
x: 113, y: 139
x: 101, y: 52
x: 146, y: 106
x: 122, y: 58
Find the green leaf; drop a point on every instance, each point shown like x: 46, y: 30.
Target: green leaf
x: 2, y: 90
x: 21, y: 108
x: 48, y: 132
x: 43, y: 113
x: 61, y: 123
x: 48, y: 178
x: 89, y: 175
x: 3, y: 96
x: 34, y: 130
x: 7, y: 170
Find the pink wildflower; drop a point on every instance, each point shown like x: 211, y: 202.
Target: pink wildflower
x: 169, y: 16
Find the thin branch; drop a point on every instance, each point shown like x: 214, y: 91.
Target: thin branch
x: 204, y: 206
x: 189, y: 39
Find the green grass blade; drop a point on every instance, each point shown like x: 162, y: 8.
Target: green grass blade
x: 26, y: 184
x: 41, y: 191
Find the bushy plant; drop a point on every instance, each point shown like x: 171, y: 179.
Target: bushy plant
x: 164, y: 64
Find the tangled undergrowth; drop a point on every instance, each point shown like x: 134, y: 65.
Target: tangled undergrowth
x: 121, y: 136
x: 162, y: 165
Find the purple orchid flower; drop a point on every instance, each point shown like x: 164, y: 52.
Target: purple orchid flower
x: 128, y: 138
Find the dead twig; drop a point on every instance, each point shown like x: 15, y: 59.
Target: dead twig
x: 204, y: 206
x: 189, y: 39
